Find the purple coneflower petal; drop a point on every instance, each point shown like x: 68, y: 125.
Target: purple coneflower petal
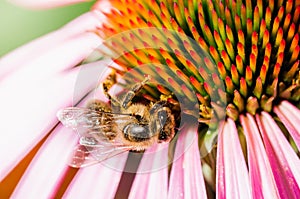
x: 56, y: 44
x: 65, y: 55
x: 97, y: 181
x: 186, y: 179
x: 45, y: 3
x: 290, y: 117
x: 22, y: 130
x: 284, y: 161
x: 48, y: 167
x: 261, y: 177
x: 38, y: 102
x: 151, y: 180
x: 232, y: 172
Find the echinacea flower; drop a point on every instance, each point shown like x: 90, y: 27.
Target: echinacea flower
x: 252, y: 71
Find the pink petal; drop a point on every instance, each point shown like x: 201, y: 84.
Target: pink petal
x: 261, y: 177
x: 232, y: 172
x: 59, y: 40
x: 51, y: 163
x: 290, y: 117
x: 45, y: 3
x: 97, y: 181
x: 28, y: 109
x: 61, y: 57
x: 151, y: 180
x: 102, y: 5
x: 186, y: 178
x: 48, y: 167
x: 284, y: 161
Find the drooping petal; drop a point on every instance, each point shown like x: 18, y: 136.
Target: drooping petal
x: 232, y: 173
x: 290, y: 117
x: 261, y: 177
x: 97, y: 181
x: 72, y: 39
x: 186, y: 178
x: 151, y: 180
x: 284, y: 161
x: 37, y: 103
x: 45, y: 3
x: 25, y: 126
x: 61, y: 57
x: 48, y: 167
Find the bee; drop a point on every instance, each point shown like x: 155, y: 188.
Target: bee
x: 105, y: 131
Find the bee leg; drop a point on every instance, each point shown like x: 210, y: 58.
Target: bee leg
x: 126, y: 101
x: 107, y: 84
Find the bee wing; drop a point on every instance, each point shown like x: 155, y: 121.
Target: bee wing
x: 77, y: 117
x: 85, y: 155
x: 90, y: 124
x: 93, y: 148
x: 93, y: 145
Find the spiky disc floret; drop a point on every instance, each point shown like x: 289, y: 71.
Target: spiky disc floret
x: 254, y: 46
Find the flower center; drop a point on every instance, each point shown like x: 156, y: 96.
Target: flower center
x: 253, y: 48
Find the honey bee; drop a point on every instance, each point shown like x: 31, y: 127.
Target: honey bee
x: 105, y: 132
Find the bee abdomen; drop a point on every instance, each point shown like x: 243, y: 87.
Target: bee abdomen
x: 136, y: 133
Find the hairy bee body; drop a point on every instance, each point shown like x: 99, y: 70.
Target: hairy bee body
x: 109, y: 129
x: 140, y: 129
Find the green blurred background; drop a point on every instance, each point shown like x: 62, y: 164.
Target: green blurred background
x: 20, y: 25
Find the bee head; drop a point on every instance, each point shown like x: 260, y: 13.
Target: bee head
x: 162, y: 122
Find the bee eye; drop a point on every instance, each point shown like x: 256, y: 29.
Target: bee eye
x: 162, y: 117
x: 154, y: 108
